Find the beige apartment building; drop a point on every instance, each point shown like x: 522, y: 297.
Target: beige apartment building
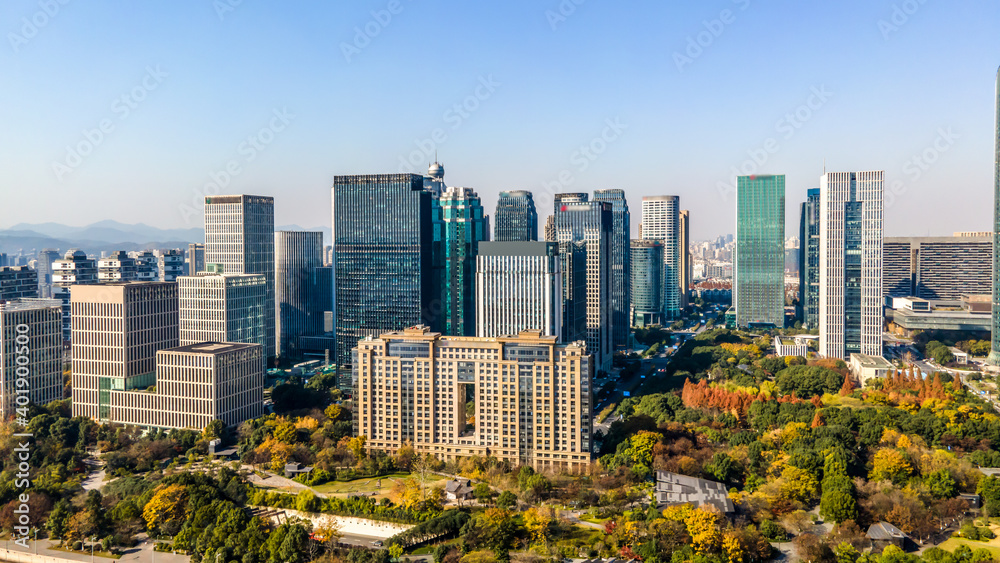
x: 532, y: 397
x: 30, y: 354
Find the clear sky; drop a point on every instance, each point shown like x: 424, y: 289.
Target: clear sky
x: 288, y: 94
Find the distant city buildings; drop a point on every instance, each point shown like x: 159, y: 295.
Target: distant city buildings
x: 117, y: 267
x: 171, y: 264
x: 850, y: 264
x: 195, y: 259
x: 759, y: 268
x: 18, y: 282
x: 518, y: 288
x: 239, y: 237
x: 297, y: 255
x: 809, y: 220
x: 73, y: 269
x: 532, y: 397
x: 619, y: 266
x: 31, y: 345
x: 44, y: 267
x: 516, y: 218
x: 647, y: 284
x: 686, y: 270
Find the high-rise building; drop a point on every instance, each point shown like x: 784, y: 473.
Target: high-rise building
x: 30, y: 354
x: 994, y: 358
x: 222, y: 308
x: 549, y: 232
x: 532, y: 397
x: 647, y: 284
x: 808, y: 309
x: 516, y: 218
x: 383, y: 259
x: 759, y: 297
x: 559, y: 200
x: 686, y: 275
x: 147, y: 266
x: 937, y: 267
x: 18, y: 282
x: 661, y: 221
x: 297, y: 254
x: 850, y: 264
x: 117, y: 330
x: 195, y: 258
x: 518, y: 287
x: 459, y: 225
x: 230, y: 388
x: 171, y: 264
x: 434, y: 179
x: 239, y: 236
x: 118, y: 267
x: 74, y: 269
x: 590, y: 224
x: 619, y: 264
x: 44, y: 267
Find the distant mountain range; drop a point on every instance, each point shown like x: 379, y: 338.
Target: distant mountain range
x: 106, y: 236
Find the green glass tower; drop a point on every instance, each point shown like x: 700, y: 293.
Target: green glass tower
x: 994, y: 358
x: 759, y: 270
x: 460, y: 224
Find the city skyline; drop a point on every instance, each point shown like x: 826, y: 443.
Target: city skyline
x: 197, y: 106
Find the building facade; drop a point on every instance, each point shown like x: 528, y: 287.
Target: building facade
x: 588, y: 227
x: 195, y: 259
x: 73, y: 269
x: 661, y: 221
x: 518, y: 288
x: 18, y: 282
x: 937, y: 267
x: 195, y: 385
x: 460, y: 224
x: 222, y: 308
x: 171, y: 264
x: 297, y: 254
x: 994, y: 358
x: 686, y: 271
x: 44, y: 267
x: 117, y: 330
x: 620, y: 264
x: 759, y: 270
x: 239, y: 237
x: 30, y: 354
x: 532, y: 397
x: 117, y: 267
x: 647, y: 285
x: 850, y: 264
x: 808, y: 309
x: 516, y: 218
x: 383, y: 266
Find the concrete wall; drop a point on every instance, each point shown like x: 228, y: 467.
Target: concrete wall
x: 347, y: 525
x: 18, y: 556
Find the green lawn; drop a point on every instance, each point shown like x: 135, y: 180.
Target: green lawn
x: 363, y: 485
x: 86, y: 552
x: 951, y: 543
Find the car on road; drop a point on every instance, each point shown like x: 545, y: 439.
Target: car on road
x: 377, y: 543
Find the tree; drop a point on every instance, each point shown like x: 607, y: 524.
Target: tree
x: 166, y: 508
x: 838, y: 505
x: 395, y: 551
x: 538, y: 522
x: 506, y: 500
x: 356, y: 446
x: 483, y: 493
x: 889, y: 465
x: 941, y: 484
x: 702, y: 526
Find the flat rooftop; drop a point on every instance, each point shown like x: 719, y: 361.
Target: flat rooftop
x: 518, y: 248
x: 211, y: 347
x: 877, y: 362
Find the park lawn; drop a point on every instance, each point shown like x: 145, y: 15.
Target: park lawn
x: 368, y: 485
x: 86, y: 552
x: 952, y: 543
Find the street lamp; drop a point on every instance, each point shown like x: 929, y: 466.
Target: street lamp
x: 91, y: 550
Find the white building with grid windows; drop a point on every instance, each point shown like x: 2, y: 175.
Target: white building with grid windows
x: 661, y: 221
x: 30, y: 353
x: 222, y: 308
x: 518, y: 287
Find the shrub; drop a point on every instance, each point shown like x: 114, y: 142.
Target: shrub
x: 77, y: 545
x: 773, y: 531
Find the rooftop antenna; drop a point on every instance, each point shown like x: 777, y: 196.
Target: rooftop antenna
x: 824, y: 166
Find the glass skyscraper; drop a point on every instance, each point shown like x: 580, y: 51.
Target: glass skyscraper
x: 661, y: 221
x: 994, y: 358
x: 383, y: 267
x: 459, y: 226
x: 808, y: 309
x: 850, y: 264
x: 516, y: 218
x: 647, y: 286
x: 619, y: 264
x: 297, y: 254
x: 759, y: 270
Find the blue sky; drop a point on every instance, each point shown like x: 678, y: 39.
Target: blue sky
x: 287, y: 95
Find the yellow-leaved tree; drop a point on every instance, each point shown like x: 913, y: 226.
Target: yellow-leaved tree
x: 702, y: 526
x: 889, y: 465
x: 168, y: 504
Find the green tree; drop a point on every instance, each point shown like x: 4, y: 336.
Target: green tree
x: 506, y: 500
x: 941, y: 484
x: 838, y: 505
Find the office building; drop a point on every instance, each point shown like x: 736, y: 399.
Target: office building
x: 297, y: 254
x: 195, y: 259
x: 147, y: 266
x: 460, y: 224
x: 808, y: 308
x: 73, y: 269
x: 434, y: 179
x: 549, y: 231
x: 18, y: 282
x: 587, y: 227
x: 118, y: 267
x: 760, y: 251
x: 239, y: 236
x: 30, y: 354
x: 195, y: 385
x: 647, y: 284
x: 518, y: 288
x: 44, y: 267
x: 685, y: 274
x: 383, y: 260
x: 516, y: 218
x: 850, y: 264
x: 532, y: 397
x: 661, y: 221
x: 222, y: 308
x: 620, y: 265
x: 117, y: 330
x: 937, y: 267
x: 171, y: 264
x: 965, y: 316
x: 994, y: 358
